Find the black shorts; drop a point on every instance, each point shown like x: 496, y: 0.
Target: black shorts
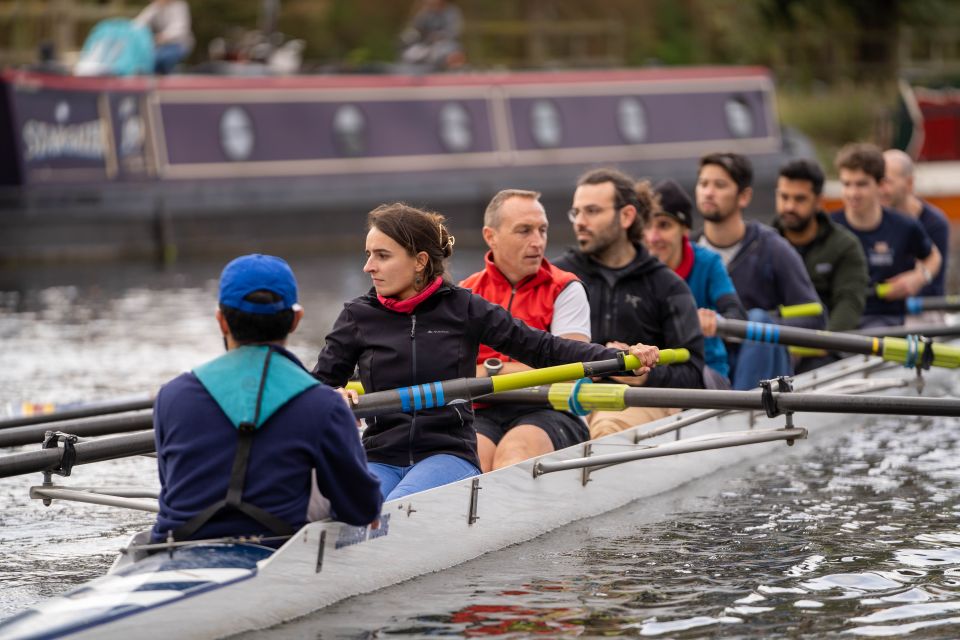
x: 564, y: 429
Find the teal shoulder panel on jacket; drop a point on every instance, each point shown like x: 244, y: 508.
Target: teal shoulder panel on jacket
x: 233, y: 380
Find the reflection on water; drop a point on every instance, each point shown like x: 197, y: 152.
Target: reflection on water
x: 858, y: 537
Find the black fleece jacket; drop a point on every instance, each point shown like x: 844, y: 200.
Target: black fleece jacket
x: 646, y: 302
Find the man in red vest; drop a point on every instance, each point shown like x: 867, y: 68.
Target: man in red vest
x: 518, y: 278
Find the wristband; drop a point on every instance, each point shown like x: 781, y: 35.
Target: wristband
x: 492, y: 366
x: 927, y: 278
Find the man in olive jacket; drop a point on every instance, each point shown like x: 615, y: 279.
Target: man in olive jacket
x: 833, y: 255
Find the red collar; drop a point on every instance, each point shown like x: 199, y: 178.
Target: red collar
x: 408, y: 305
x: 686, y: 261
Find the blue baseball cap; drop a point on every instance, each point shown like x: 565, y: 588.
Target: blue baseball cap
x: 257, y: 272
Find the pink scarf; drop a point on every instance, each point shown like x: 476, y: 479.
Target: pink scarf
x: 408, y: 305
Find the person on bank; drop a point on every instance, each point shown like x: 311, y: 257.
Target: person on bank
x: 633, y: 296
x: 414, y: 327
x: 169, y: 21
x: 897, y: 192
x: 245, y: 439
x: 520, y: 279
x: 433, y: 38
x: 899, y: 252
x: 667, y: 235
x: 764, y: 268
x: 832, y: 254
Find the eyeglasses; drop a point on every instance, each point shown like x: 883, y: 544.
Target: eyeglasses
x: 590, y: 212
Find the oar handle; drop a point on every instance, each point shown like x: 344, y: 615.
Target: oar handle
x: 805, y: 310
x: 576, y: 370
x: 667, y: 356
x: 807, y: 352
x: 917, y: 305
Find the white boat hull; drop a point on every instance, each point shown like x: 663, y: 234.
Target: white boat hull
x: 326, y: 561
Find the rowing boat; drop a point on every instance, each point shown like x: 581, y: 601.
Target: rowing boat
x: 215, y: 589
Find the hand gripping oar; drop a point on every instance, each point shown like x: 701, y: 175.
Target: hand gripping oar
x: 908, y: 351
x: 438, y: 394
x: 616, y: 397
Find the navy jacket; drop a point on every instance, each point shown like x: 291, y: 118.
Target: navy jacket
x: 768, y: 272
x: 438, y: 341
x: 643, y: 302
x: 892, y: 248
x: 196, y: 444
x: 935, y: 223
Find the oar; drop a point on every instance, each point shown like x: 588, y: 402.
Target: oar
x: 83, y: 427
x: 918, y: 305
x: 616, y: 397
x: 438, y: 394
x: 805, y: 310
x: 612, y: 397
x: 94, y: 409
x: 93, y: 451
x: 422, y: 396
x: 930, y: 331
x: 905, y: 351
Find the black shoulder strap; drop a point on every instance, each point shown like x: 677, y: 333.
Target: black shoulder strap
x: 238, y: 475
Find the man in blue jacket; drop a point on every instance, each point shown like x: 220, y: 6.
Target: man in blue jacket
x: 765, y: 269
x: 243, y: 439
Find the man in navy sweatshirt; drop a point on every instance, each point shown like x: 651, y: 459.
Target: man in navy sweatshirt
x: 244, y: 439
x: 765, y: 269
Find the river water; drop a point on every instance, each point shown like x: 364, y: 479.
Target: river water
x: 858, y: 536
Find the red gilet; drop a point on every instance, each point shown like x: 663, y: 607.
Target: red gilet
x: 532, y: 300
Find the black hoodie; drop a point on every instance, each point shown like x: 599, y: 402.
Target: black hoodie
x: 646, y: 302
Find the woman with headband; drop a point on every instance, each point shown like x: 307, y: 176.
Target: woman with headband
x: 415, y: 327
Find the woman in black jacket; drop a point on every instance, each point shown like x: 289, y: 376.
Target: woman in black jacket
x: 414, y: 327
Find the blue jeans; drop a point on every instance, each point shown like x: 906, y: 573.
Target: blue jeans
x: 758, y: 361
x: 441, y: 469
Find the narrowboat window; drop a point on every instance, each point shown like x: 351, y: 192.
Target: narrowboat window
x: 236, y: 134
x: 349, y: 128
x: 739, y: 117
x: 456, y: 129
x: 545, y: 122
x: 632, y: 119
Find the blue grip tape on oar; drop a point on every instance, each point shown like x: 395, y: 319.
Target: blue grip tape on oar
x: 913, y: 344
x: 573, y: 403
x: 914, y: 306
